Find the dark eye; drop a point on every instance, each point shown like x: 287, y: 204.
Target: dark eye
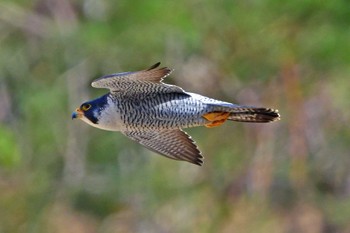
x: 85, y: 107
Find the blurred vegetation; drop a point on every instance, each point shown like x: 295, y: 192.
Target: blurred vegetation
x: 58, y: 175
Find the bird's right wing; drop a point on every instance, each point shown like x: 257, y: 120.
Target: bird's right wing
x: 145, y: 81
x: 174, y: 144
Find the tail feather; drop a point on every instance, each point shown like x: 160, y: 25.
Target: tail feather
x: 252, y: 114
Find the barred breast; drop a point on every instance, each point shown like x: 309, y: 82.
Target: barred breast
x: 161, y: 111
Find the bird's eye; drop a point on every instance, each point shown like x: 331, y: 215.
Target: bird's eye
x: 86, y: 107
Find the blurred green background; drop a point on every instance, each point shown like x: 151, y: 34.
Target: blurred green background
x: 59, y: 175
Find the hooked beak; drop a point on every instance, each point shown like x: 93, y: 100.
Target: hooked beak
x: 77, y: 114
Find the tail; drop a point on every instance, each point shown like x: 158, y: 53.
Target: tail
x: 252, y: 114
x: 241, y: 114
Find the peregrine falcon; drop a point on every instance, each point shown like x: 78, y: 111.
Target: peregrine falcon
x: 153, y: 113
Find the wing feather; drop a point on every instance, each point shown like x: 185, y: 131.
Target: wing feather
x: 174, y: 144
x: 152, y: 74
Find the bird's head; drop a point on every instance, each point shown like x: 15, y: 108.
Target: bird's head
x: 90, y: 111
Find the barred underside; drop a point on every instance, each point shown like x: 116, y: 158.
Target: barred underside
x: 160, y: 111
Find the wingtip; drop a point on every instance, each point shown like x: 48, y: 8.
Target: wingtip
x: 198, y: 160
x: 154, y: 66
x: 168, y: 70
x: 156, y: 74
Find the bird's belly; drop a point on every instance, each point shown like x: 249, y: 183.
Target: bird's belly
x: 166, y: 115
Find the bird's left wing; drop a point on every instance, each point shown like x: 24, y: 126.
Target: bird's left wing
x: 145, y: 81
x: 174, y: 144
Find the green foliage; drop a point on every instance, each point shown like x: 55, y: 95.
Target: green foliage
x: 10, y: 153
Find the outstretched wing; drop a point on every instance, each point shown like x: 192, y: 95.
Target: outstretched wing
x: 145, y: 81
x: 174, y: 144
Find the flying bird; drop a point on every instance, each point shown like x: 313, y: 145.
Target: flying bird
x: 153, y: 113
